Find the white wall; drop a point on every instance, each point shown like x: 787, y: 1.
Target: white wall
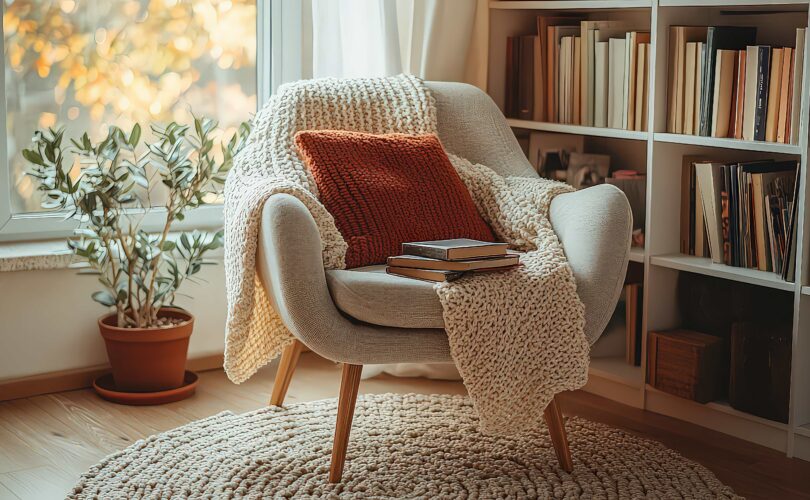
x: 48, y: 320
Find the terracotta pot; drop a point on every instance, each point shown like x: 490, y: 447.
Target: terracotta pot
x: 147, y: 359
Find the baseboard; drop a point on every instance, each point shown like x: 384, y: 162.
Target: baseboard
x: 81, y: 378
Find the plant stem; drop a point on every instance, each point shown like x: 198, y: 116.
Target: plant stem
x: 156, y: 261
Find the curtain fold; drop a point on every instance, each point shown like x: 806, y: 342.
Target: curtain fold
x: 433, y: 39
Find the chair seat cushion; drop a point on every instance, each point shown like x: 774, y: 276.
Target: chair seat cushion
x: 386, y: 190
x: 370, y: 295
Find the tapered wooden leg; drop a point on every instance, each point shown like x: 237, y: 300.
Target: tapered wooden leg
x: 556, y: 427
x: 349, y: 384
x: 286, y: 368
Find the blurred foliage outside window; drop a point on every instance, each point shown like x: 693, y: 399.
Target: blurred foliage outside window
x: 89, y: 64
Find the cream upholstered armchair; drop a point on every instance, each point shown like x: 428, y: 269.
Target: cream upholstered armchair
x: 365, y: 316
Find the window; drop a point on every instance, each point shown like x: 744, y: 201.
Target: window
x: 87, y: 64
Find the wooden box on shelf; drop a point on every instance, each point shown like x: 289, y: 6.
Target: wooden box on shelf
x: 688, y: 364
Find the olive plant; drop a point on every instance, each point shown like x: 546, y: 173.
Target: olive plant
x: 109, y: 191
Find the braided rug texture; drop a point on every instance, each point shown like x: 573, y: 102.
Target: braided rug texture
x: 401, y: 446
x: 517, y: 337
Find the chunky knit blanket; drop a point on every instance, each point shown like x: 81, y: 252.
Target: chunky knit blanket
x: 517, y: 337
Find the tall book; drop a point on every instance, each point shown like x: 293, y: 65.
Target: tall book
x: 774, y: 87
x: 796, y: 95
x: 719, y: 38
x: 679, y: 36
x: 512, y: 63
x: 710, y: 182
x: 782, y: 118
x: 642, y: 90
x: 724, y: 76
x: 525, y: 78
x: 616, y: 84
x: 566, y: 86
x: 539, y: 82
x: 601, y: 75
x: 692, y: 59
x: 738, y: 99
x: 576, y: 118
x: 757, y: 74
x: 701, y: 62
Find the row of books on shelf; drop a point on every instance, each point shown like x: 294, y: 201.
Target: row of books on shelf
x: 581, y: 72
x: 722, y: 84
x: 741, y: 214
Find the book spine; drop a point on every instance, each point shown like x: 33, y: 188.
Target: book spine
x: 525, y: 72
x: 708, y: 84
x: 763, y: 75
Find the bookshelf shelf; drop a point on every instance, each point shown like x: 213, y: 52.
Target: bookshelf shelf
x: 705, y: 266
x: 724, y: 407
x: 564, y: 128
x: 570, y: 4
x: 727, y: 3
x: 660, y: 156
x: 714, y: 142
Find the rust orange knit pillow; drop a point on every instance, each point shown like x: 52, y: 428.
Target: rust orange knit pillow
x: 385, y: 190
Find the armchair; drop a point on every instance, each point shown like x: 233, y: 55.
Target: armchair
x: 365, y: 316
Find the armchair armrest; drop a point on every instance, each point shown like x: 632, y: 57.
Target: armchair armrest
x: 290, y: 266
x: 595, y: 226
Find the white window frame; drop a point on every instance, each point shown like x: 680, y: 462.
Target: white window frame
x: 271, y: 15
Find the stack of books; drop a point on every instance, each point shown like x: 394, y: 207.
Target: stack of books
x: 579, y: 71
x: 448, y: 260
x: 741, y: 214
x: 724, y: 85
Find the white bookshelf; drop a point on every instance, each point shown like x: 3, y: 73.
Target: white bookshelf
x: 661, y: 154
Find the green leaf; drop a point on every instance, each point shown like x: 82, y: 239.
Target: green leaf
x: 32, y: 156
x: 135, y: 135
x: 104, y: 298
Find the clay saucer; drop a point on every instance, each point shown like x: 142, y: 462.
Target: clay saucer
x: 105, y: 387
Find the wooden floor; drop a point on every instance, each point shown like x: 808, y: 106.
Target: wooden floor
x: 46, y: 442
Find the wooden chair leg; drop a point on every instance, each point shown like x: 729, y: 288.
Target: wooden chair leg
x: 349, y: 384
x: 286, y: 368
x: 556, y: 427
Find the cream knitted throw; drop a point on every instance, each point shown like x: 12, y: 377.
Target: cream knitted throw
x: 517, y: 337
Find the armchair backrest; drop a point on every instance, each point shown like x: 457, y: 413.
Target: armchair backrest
x: 472, y: 126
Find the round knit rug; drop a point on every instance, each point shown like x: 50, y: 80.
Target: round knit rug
x: 412, y: 446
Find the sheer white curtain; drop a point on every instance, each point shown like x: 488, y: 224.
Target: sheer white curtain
x: 433, y: 39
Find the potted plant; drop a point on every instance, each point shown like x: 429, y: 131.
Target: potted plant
x: 109, y: 187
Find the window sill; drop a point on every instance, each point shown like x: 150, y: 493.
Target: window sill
x: 52, y: 254
x: 34, y: 255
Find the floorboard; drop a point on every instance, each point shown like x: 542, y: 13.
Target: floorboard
x: 46, y: 442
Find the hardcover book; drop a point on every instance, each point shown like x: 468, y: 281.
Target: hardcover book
x: 455, y: 249
x: 416, y: 261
